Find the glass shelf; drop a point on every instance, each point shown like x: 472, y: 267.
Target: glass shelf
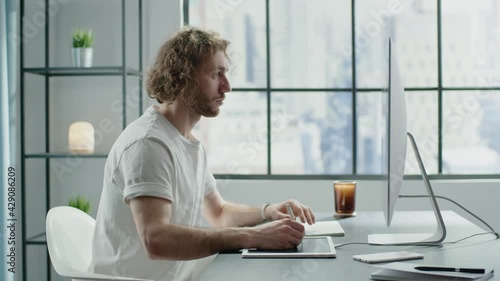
x: 82, y: 71
x: 65, y: 154
x: 39, y: 239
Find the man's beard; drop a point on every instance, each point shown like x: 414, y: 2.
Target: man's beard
x: 199, y: 103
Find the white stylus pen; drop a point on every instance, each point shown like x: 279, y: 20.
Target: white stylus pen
x: 290, y: 211
x: 292, y: 217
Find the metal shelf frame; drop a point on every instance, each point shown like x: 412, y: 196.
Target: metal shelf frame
x: 47, y: 71
x: 88, y: 71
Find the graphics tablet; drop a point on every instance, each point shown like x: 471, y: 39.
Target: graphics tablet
x: 311, y: 247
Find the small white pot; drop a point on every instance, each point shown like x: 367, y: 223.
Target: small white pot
x: 82, y: 57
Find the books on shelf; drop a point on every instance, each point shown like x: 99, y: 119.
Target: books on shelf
x: 407, y: 271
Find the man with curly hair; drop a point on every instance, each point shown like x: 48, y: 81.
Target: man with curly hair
x: 156, y: 183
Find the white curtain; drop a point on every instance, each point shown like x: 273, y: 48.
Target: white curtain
x: 8, y: 71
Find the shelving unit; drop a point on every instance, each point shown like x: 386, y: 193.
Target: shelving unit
x: 47, y: 72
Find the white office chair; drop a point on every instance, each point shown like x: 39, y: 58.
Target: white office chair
x: 69, y: 240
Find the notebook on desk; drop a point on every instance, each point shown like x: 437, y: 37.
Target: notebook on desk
x: 324, y: 228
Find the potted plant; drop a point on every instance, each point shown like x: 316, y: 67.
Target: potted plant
x: 81, y: 203
x: 82, y: 51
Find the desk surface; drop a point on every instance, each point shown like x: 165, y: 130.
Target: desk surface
x: 480, y: 251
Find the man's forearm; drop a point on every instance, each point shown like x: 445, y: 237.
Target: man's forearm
x: 239, y: 215
x: 177, y: 242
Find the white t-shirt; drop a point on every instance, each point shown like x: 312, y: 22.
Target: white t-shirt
x: 149, y: 158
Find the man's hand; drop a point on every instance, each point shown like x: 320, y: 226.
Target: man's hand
x: 279, y: 234
x: 278, y: 211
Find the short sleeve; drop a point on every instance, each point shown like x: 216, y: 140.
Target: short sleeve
x: 146, y: 169
x: 210, y: 184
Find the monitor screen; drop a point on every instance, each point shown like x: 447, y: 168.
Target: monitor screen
x: 394, y: 143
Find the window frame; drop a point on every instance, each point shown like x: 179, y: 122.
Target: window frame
x: 440, y: 89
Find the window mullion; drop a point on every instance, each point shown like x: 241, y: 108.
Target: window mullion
x: 268, y: 88
x: 440, y: 89
x: 354, y: 127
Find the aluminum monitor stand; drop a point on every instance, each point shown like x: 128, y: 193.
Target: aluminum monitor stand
x: 415, y: 238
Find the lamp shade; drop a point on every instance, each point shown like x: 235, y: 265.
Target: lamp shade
x: 81, y: 137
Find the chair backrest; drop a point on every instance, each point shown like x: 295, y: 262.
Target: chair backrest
x: 69, y: 239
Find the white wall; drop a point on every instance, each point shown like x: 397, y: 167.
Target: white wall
x: 479, y: 196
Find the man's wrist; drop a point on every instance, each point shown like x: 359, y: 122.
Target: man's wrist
x: 263, y: 211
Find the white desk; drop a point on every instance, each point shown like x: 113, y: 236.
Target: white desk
x: 481, y: 251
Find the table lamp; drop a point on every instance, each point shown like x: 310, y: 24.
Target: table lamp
x: 81, y: 137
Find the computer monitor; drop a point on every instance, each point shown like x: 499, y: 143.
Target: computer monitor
x: 394, y: 159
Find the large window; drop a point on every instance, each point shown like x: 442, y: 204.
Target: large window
x: 307, y: 76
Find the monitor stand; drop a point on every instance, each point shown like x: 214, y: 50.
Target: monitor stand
x: 415, y: 238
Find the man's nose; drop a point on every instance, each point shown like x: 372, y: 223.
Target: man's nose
x: 225, y: 85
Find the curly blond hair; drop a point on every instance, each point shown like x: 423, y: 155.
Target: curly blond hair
x: 173, y: 73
